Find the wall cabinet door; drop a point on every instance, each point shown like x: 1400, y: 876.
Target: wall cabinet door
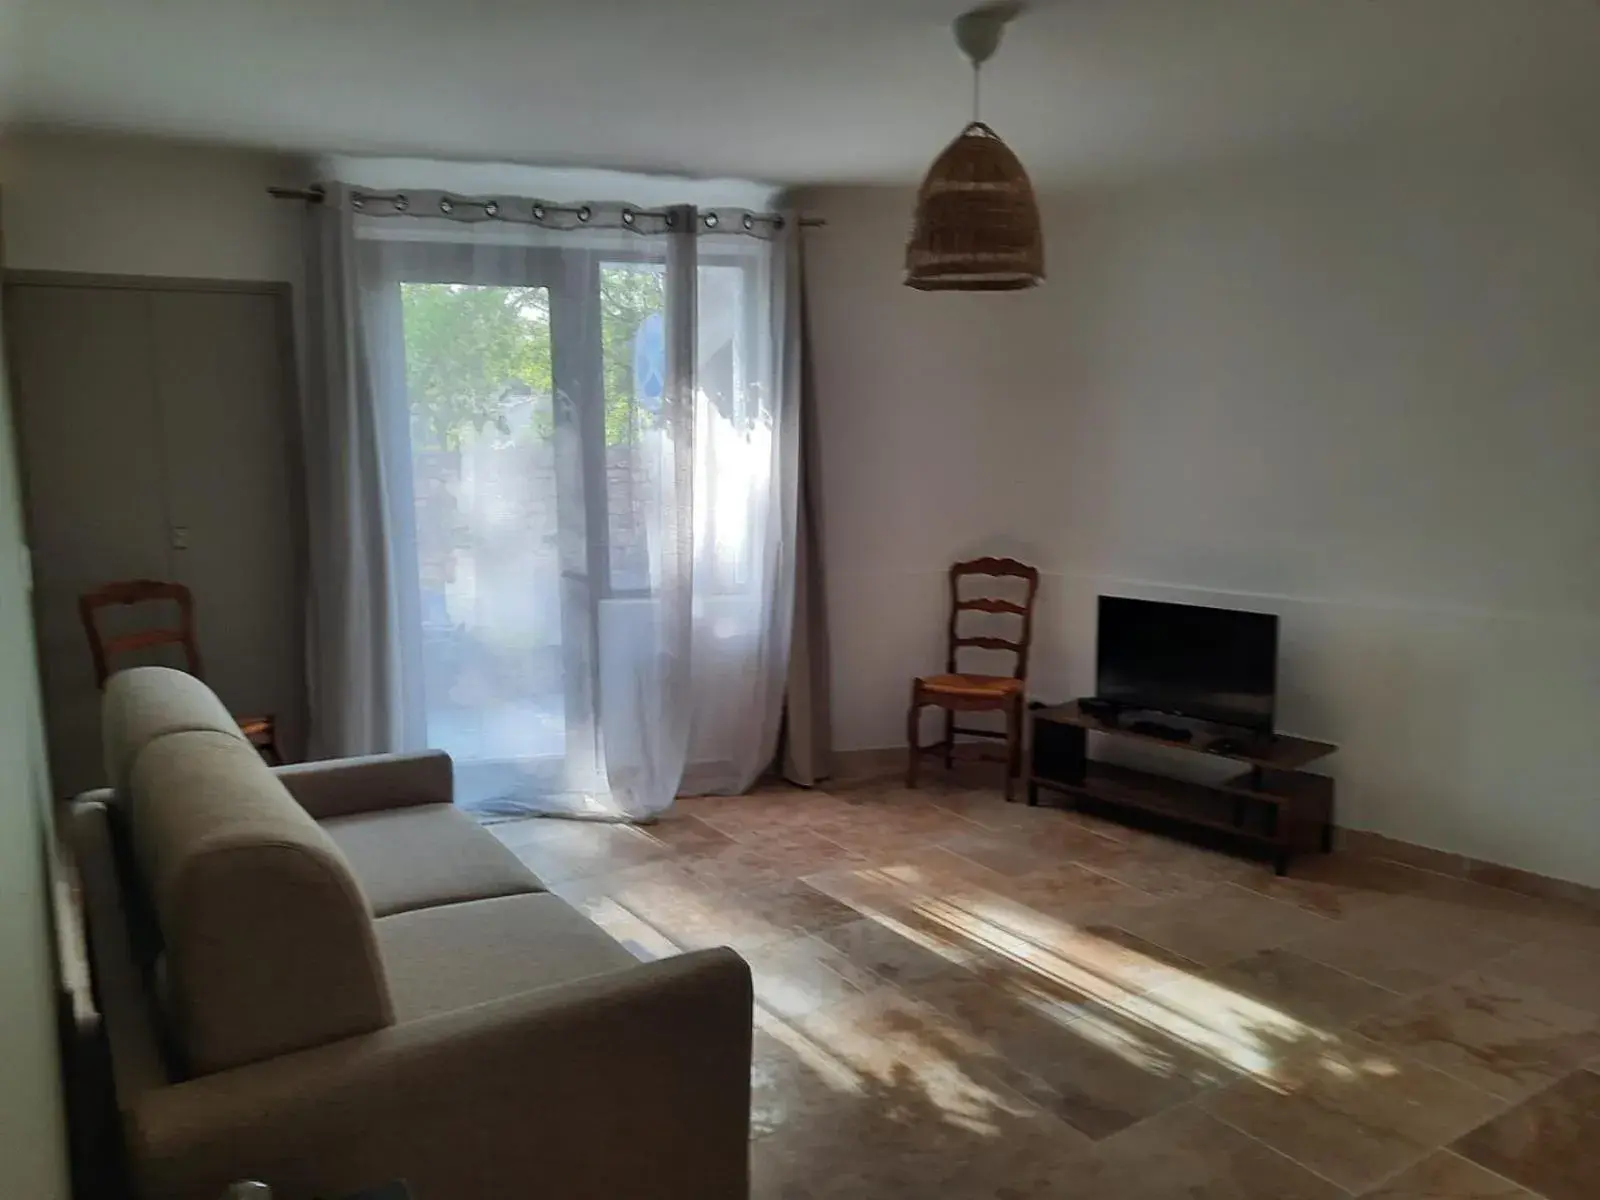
x: 157, y: 437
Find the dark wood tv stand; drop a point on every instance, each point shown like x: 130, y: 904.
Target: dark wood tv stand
x: 1275, y: 806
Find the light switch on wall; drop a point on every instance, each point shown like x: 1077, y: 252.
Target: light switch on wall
x: 180, y: 537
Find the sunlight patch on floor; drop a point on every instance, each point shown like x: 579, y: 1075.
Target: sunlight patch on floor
x: 1148, y: 1012
x: 826, y: 1066
x: 1108, y: 996
x: 901, y: 1071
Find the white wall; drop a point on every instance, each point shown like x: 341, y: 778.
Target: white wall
x: 32, y: 1138
x: 1355, y: 386
x: 137, y: 206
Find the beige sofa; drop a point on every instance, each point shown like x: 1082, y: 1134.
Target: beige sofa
x: 325, y: 976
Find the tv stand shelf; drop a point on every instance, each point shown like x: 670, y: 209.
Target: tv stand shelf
x: 1274, y: 807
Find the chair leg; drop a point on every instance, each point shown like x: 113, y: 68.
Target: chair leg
x: 949, y: 739
x: 1018, y: 767
x: 913, y: 732
x: 1013, y: 746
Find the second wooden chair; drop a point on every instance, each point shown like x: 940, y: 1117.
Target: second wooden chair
x: 261, y: 731
x: 956, y: 692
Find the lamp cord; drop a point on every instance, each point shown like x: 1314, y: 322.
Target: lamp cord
x: 976, y: 75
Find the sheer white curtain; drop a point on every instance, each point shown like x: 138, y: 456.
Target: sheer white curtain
x: 554, y: 457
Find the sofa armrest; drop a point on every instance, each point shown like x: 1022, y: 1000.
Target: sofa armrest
x: 631, y: 1084
x: 340, y: 787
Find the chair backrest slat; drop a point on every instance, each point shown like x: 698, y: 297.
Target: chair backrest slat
x: 989, y: 605
x: 987, y: 643
x: 992, y: 568
x: 139, y: 591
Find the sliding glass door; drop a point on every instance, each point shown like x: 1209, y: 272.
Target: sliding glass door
x: 487, y: 511
x: 534, y: 381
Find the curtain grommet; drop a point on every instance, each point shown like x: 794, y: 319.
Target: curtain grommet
x: 627, y: 216
x: 358, y: 202
x: 749, y: 222
x: 584, y: 214
x: 538, y: 212
x: 491, y: 209
x: 445, y: 206
x: 401, y: 204
x: 711, y: 220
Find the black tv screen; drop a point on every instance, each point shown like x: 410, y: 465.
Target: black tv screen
x: 1213, y: 664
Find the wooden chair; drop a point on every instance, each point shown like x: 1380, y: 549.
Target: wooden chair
x: 262, y: 731
x: 955, y: 692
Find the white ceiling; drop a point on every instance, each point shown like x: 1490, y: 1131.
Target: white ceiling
x: 790, y: 91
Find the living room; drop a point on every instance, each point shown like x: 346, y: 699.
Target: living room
x: 1315, y: 340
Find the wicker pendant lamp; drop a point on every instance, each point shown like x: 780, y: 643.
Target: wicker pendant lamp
x: 977, y: 222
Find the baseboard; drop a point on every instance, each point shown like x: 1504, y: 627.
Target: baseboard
x: 888, y: 762
x: 857, y: 766
x: 1462, y: 866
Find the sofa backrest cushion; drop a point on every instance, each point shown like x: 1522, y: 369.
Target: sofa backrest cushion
x: 269, y: 943
x: 146, y: 703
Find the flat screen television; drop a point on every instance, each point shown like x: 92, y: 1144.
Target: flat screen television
x: 1212, y: 664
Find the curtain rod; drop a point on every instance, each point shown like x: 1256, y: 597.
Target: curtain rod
x: 315, y: 195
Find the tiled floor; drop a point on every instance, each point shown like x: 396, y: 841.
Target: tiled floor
x: 957, y: 997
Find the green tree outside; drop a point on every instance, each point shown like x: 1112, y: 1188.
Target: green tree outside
x: 472, y: 352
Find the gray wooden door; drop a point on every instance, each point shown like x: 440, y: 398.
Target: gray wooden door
x: 157, y: 439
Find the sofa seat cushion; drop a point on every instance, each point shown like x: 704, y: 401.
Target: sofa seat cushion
x: 458, y: 955
x: 426, y: 854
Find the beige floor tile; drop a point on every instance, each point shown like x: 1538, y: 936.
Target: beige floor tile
x: 1372, y: 877
x: 1010, y: 852
x: 1318, y: 996
x: 935, y: 870
x: 907, y: 1154
x: 680, y: 833
x: 796, y: 905
x: 1324, y: 897
x: 1402, y: 946
x: 1549, y: 1143
x: 558, y: 850
x: 987, y: 807
x: 1513, y: 916
x: 956, y: 916
x: 1096, y: 1069
x: 792, y: 1081
x: 1222, y: 925
x: 911, y: 1061
x: 1039, y: 1159
x: 1188, y: 1153
x: 755, y: 815
x: 1073, y: 893
x: 1352, y: 1111
x: 1102, y: 1074
x: 779, y: 858
x: 1103, y: 962
x: 801, y: 975
x: 1499, y: 1036
x: 1162, y: 867
x: 678, y: 906
x: 896, y: 954
x: 1564, y: 968
x: 1446, y: 1176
